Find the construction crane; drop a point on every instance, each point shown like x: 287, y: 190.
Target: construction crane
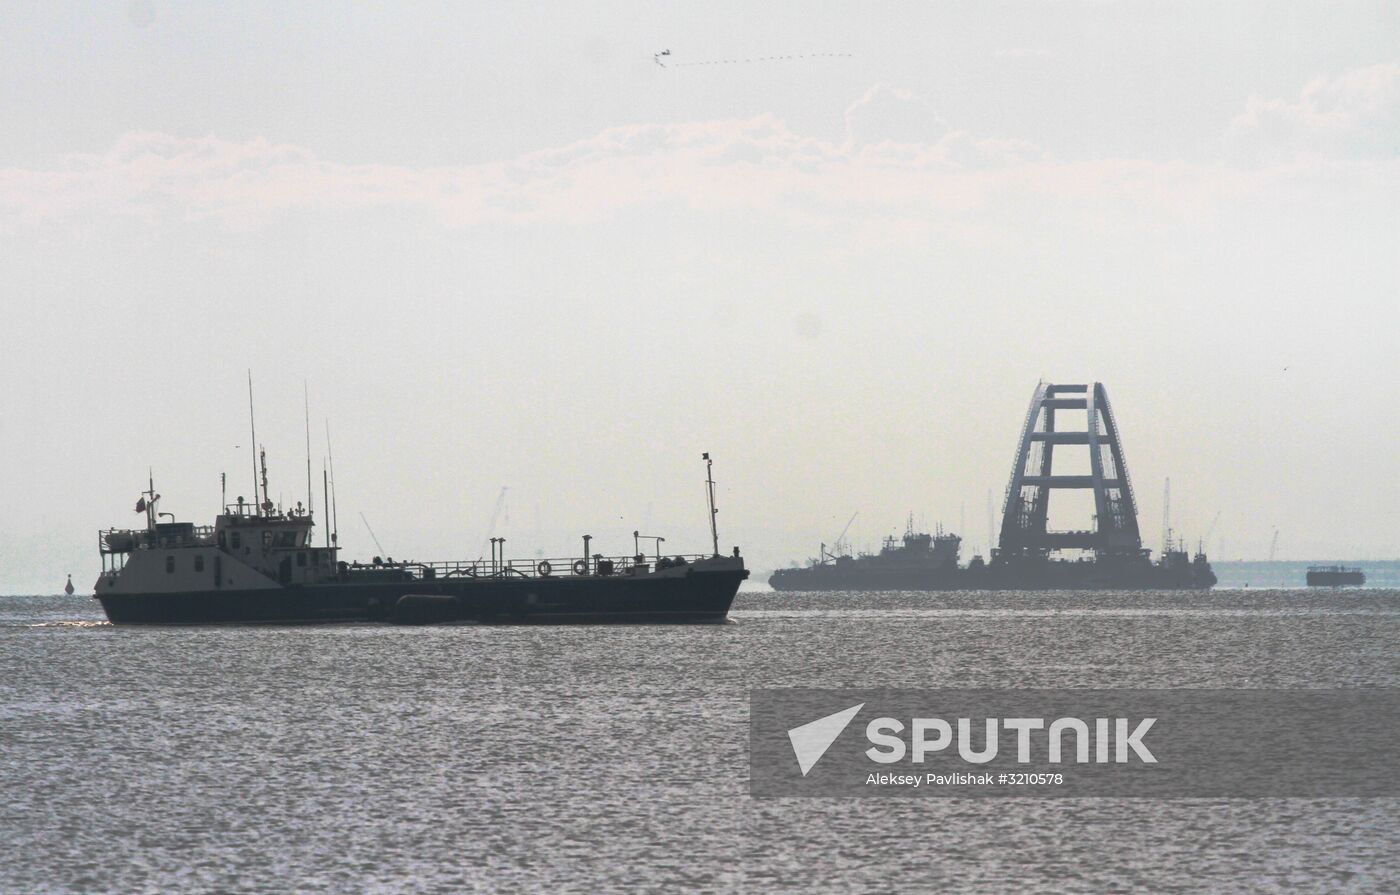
x: 836, y: 545
x: 1167, y: 516
x: 1205, y: 541
x: 495, y: 517
x: 371, y: 534
x: 991, y: 530
x: 1211, y: 530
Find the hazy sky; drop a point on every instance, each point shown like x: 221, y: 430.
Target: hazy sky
x: 505, y: 247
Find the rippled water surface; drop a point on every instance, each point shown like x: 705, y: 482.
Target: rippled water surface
x: 583, y: 759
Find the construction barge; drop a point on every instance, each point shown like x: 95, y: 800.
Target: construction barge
x: 1030, y: 556
x: 1335, y: 576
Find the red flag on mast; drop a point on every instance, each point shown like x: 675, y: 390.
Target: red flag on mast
x: 141, y: 505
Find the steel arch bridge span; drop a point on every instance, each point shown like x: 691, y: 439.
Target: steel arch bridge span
x: 1025, y: 512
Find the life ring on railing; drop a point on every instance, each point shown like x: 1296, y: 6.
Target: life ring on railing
x: 580, y: 567
x: 544, y: 568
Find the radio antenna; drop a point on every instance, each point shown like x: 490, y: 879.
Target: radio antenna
x: 253, y: 445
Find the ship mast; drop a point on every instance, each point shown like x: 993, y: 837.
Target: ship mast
x: 334, y: 518
x: 253, y: 445
x: 151, y: 500
x: 326, y: 500
x: 710, y: 490
x: 306, y: 405
x: 267, y: 501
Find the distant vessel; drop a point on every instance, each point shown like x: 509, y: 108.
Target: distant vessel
x: 1112, y: 555
x: 921, y: 561
x: 1335, y: 576
x: 257, y: 563
x: 918, y: 561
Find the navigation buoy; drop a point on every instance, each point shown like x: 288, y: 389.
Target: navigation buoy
x: 68, y: 588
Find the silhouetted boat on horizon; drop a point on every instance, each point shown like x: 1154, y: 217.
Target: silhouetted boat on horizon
x: 1335, y: 576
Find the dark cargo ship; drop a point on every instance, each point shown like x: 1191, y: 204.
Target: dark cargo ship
x: 1111, y: 555
x: 257, y: 564
x: 1335, y: 576
x: 918, y: 561
x: 921, y: 561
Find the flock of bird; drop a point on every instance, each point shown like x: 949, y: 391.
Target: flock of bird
x: 657, y: 58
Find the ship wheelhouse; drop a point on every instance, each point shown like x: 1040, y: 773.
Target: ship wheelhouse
x: 280, y: 545
x: 247, y: 547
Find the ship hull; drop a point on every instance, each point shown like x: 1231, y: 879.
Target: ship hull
x: 1046, y: 575
x: 1336, y: 579
x: 699, y: 597
x: 882, y: 580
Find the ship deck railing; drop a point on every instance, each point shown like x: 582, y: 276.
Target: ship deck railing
x: 125, y: 540
x: 567, y: 567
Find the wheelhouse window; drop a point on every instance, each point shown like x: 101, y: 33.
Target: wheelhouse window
x: 236, y: 539
x: 170, y: 563
x: 301, y: 558
x: 199, y: 562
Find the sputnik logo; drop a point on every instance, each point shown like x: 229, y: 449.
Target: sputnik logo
x: 811, y: 740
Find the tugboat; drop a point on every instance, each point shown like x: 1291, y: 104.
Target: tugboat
x: 259, y: 564
x: 918, y: 561
x: 1335, y: 576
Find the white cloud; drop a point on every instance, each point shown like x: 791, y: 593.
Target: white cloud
x: 1353, y: 115
x: 901, y: 169
x: 890, y: 115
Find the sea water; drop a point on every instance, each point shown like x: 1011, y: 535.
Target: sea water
x: 583, y: 759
